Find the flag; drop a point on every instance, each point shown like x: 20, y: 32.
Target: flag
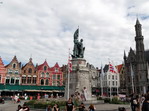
x: 69, y: 64
x: 76, y: 34
x: 111, y: 68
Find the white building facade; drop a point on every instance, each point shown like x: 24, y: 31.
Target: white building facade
x: 110, y: 81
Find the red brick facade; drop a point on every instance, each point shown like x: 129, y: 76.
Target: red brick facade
x: 2, y: 72
x: 49, y: 76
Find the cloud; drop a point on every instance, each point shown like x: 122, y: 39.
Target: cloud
x: 44, y: 29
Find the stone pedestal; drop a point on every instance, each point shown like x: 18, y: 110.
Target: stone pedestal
x: 80, y: 77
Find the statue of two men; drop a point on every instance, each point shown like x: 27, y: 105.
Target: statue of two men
x: 78, y: 51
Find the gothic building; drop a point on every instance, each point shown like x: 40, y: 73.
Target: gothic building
x: 136, y: 65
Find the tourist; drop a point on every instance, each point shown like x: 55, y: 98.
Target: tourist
x: 145, y: 106
x: 92, y: 107
x: 82, y: 107
x: 49, y: 108
x: 85, y: 93
x: 20, y: 108
x: 69, y: 105
x: 132, y: 103
x: 25, y: 107
x: 56, y: 107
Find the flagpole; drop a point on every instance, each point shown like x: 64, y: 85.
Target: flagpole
x: 68, y: 75
x: 101, y: 79
x: 68, y: 83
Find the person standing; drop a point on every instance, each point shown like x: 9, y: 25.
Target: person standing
x: 56, y: 107
x: 92, y: 107
x: 82, y: 107
x: 69, y: 105
x: 145, y: 106
x: 85, y: 93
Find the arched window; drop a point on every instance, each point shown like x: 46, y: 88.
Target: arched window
x: 42, y: 82
x: 47, y: 82
x: 29, y: 70
x: 14, y: 66
x: 45, y: 68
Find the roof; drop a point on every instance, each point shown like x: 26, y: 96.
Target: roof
x: 119, y: 67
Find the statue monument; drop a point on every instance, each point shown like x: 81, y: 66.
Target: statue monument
x: 80, y: 78
x: 78, y: 50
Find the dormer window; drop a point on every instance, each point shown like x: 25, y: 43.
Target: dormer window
x: 45, y: 68
x: 56, y: 69
x: 14, y: 66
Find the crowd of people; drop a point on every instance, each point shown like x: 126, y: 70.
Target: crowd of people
x: 140, y: 103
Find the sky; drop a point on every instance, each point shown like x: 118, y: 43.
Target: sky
x: 43, y: 29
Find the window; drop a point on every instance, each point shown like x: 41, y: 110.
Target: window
x: 16, y: 72
x: 47, y: 74
x: 34, y: 80
x: 47, y: 82
x: 7, y: 80
x: 42, y: 82
x: 56, y: 69
x: 54, y: 83
x: 42, y: 74
x: 109, y: 76
x: 12, y: 80
x: 58, y: 83
x: 17, y: 80
x: 29, y: 70
x: 109, y: 83
x: 29, y: 80
x: 54, y: 76
x: 9, y: 71
x: 23, y: 80
x: 45, y: 68
x: 14, y: 66
x: 113, y: 77
x: 58, y: 77
x: 113, y: 83
x: 0, y: 78
x: 116, y: 83
x: 116, y: 77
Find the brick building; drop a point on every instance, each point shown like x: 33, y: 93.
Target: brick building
x: 56, y: 75
x: 29, y: 76
x: 43, y: 72
x: 13, y: 72
x: 2, y: 72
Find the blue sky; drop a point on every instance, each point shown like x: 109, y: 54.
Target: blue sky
x: 45, y: 28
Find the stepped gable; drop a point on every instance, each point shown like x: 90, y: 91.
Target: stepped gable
x: 41, y: 66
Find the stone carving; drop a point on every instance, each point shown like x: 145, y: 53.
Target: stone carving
x: 78, y: 50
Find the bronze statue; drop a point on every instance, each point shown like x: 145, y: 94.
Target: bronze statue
x: 78, y: 50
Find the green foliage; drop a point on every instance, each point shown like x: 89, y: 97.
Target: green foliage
x: 107, y: 100
x: 99, y: 98
x: 44, y: 104
x: 115, y: 100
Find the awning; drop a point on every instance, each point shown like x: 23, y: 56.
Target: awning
x: 29, y: 87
